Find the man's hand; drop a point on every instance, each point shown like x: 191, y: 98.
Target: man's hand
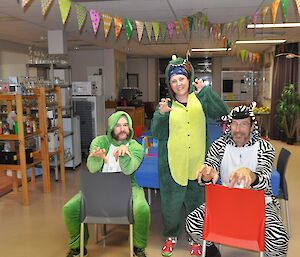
x: 100, y: 153
x: 163, y: 105
x: 207, y: 173
x: 199, y: 84
x: 121, y: 151
x: 242, y: 174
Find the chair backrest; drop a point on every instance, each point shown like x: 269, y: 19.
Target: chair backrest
x: 235, y: 217
x: 106, y: 198
x: 283, y: 158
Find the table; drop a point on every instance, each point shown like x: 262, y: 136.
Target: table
x: 147, y: 174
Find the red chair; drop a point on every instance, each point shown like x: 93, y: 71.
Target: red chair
x: 234, y: 217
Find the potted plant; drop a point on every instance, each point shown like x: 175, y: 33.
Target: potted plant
x: 288, y: 108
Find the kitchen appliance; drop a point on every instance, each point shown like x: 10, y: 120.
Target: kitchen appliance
x: 91, y: 110
x: 84, y: 88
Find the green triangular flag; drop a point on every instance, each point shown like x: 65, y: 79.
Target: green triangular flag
x: 128, y: 27
x: 191, y: 23
x: 163, y: 29
x: 155, y: 25
x: 81, y: 14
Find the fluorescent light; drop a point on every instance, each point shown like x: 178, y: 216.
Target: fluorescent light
x: 210, y: 49
x: 288, y: 55
x: 265, y: 41
x: 276, y: 25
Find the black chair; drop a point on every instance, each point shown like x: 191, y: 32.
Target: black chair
x: 106, y: 198
x: 283, y: 188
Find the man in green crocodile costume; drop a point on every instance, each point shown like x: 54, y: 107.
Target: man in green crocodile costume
x: 114, y: 152
x: 179, y: 124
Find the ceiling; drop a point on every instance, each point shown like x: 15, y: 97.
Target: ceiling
x: 29, y: 27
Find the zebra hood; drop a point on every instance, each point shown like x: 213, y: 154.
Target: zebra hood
x: 241, y: 112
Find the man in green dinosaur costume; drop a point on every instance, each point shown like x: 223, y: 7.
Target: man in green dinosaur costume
x: 179, y: 124
x: 114, y: 152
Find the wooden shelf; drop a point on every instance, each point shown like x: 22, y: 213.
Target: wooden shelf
x: 42, y: 155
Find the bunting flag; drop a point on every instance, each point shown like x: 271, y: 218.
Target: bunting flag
x: 170, y: 27
x: 95, y: 18
x: 255, y: 16
x: 118, y: 25
x: 81, y: 14
x: 25, y: 2
x: 263, y: 13
x: 128, y: 27
x: 163, y: 29
x: 203, y: 21
x: 262, y: 58
x: 285, y: 6
x: 250, y: 57
x: 228, y: 26
x: 224, y: 38
x: 298, y: 5
x: 244, y: 55
x: 275, y: 5
x: 241, y: 24
x: 228, y: 44
x: 45, y: 6
x: 148, y: 26
x: 107, y: 19
x: 191, y: 22
x: 155, y: 26
x: 139, y: 29
x: 177, y: 27
x: 222, y: 28
x: 64, y: 6
x: 185, y: 23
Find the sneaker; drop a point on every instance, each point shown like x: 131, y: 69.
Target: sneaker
x: 196, y: 250
x: 168, y: 247
x: 76, y: 253
x: 139, y: 252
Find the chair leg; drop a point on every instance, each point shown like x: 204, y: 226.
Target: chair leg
x: 287, y: 216
x: 81, y: 239
x: 149, y: 196
x: 131, y: 239
x: 204, y: 248
x: 220, y: 248
x: 96, y: 234
x: 104, y: 234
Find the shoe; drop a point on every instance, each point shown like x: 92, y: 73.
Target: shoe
x: 196, y: 250
x: 212, y: 251
x: 139, y: 252
x: 168, y: 247
x: 76, y: 253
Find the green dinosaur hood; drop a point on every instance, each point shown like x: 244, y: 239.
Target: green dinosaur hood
x: 175, y: 62
x: 112, y: 121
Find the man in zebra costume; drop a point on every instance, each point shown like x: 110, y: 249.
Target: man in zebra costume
x: 241, y: 159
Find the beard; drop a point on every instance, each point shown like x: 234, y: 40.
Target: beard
x: 119, y: 136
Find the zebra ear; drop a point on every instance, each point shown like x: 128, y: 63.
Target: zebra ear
x: 252, y: 105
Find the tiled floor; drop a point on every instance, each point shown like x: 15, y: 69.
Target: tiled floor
x: 38, y: 230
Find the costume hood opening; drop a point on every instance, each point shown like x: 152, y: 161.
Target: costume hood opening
x: 178, y: 65
x: 241, y: 112
x: 112, y: 121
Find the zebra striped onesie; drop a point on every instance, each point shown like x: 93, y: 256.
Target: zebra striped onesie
x: 258, y: 156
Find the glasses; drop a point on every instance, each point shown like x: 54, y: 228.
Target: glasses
x: 243, y: 124
x: 125, y: 125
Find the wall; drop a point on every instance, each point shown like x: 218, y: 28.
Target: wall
x: 12, y: 64
x: 82, y: 60
x: 146, y: 68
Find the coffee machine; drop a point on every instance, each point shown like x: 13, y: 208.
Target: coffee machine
x: 130, y: 95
